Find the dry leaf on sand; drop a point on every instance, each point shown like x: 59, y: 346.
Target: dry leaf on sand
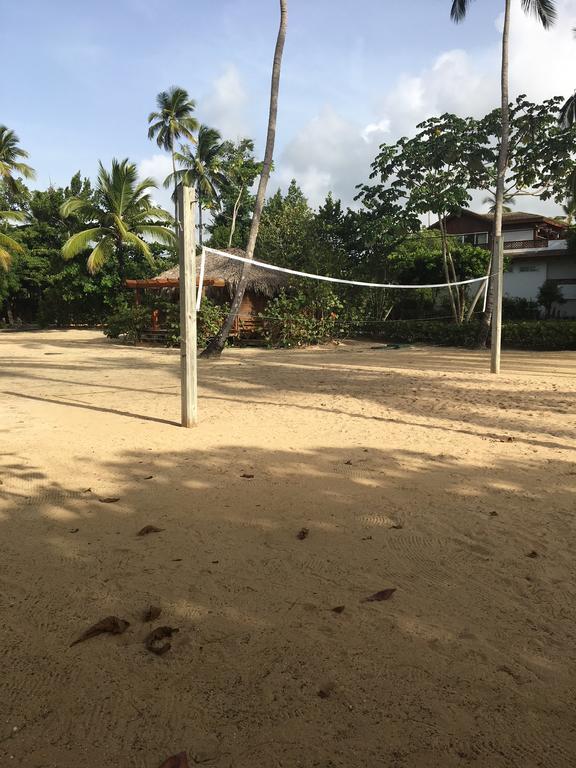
x: 149, y: 529
x: 151, y: 642
x: 384, y: 594
x: 151, y: 613
x: 111, y: 625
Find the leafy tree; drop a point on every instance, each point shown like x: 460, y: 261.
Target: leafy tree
x: 284, y: 229
x: 240, y: 169
x: 544, y: 10
x: 202, y: 170
x: 120, y: 215
x: 11, y: 163
x: 171, y: 122
x: 432, y: 172
x: 8, y: 245
x: 216, y: 346
x: 549, y: 294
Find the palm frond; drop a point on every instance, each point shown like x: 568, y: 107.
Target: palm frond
x: 157, y: 232
x: 8, y: 246
x: 80, y: 241
x: 544, y: 10
x: 459, y: 10
x: 12, y: 216
x: 140, y: 245
x: 100, y: 254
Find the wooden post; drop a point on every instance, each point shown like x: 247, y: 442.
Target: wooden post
x: 496, y: 341
x: 187, y: 284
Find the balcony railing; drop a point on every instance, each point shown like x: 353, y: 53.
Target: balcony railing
x: 510, y: 245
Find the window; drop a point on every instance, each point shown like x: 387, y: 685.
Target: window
x: 528, y: 268
x: 473, y: 238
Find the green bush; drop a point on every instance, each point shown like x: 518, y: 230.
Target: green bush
x: 535, y: 334
x: 299, y: 318
x: 519, y: 309
x: 127, y: 322
x: 130, y: 322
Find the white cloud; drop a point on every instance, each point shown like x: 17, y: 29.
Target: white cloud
x: 333, y: 152
x: 330, y: 154
x: 157, y: 167
x: 224, y: 107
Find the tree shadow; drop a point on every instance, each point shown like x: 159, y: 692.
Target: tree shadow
x: 470, y: 662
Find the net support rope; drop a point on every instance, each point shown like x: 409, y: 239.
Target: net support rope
x: 324, y: 278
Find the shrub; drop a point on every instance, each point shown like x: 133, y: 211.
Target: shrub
x: 130, y: 322
x: 539, y: 334
x: 127, y: 322
x: 299, y: 318
x: 519, y: 309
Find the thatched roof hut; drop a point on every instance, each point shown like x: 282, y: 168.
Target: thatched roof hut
x: 219, y: 270
x: 221, y: 277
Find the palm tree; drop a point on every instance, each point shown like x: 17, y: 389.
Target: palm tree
x: 490, y: 200
x: 201, y: 169
x: 10, y: 154
x: 545, y: 11
x: 216, y: 346
x: 173, y: 121
x: 8, y: 245
x: 568, y: 112
x: 120, y: 215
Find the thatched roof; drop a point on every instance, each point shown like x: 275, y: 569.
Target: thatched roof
x: 260, y: 280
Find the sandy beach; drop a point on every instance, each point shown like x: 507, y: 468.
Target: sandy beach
x: 412, y: 469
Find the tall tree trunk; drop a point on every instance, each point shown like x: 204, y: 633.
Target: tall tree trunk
x: 200, y: 235
x: 234, y: 215
x: 494, y: 303
x: 121, y: 263
x: 444, y: 241
x: 176, y: 222
x: 215, y: 347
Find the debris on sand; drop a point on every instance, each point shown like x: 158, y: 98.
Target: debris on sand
x: 110, y: 499
x: 532, y: 554
x: 151, y: 642
x: 176, y: 761
x: 326, y: 690
x: 111, y: 625
x: 384, y: 594
x: 149, y: 529
x: 247, y: 475
x: 151, y: 613
x: 302, y: 534
x: 338, y: 609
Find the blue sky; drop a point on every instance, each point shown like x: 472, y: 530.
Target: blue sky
x: 83, y: 76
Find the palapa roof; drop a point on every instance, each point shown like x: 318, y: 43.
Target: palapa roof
x: 260, y: 280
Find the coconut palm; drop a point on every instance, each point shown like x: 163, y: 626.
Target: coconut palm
x: 545, y: 11
x: 10, y: 162
x: 8, y: 245
x: 121, y: 214
x: 568, y: 112
x: 490, y: 200
x: 201, y: 169
x: 171, y: 122
x: 215, y: 347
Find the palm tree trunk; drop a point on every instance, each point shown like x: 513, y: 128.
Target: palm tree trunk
x: 176, y: 222
x: 234, y: 215
x: 494, y: 303
x: 200, y: 235
x: 215, y: 347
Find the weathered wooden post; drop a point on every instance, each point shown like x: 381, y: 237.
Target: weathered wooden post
x: 187, y: 286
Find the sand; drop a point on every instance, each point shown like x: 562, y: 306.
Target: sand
x: 412, y: 469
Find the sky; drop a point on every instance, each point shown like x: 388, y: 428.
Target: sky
x: 80, y: 78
